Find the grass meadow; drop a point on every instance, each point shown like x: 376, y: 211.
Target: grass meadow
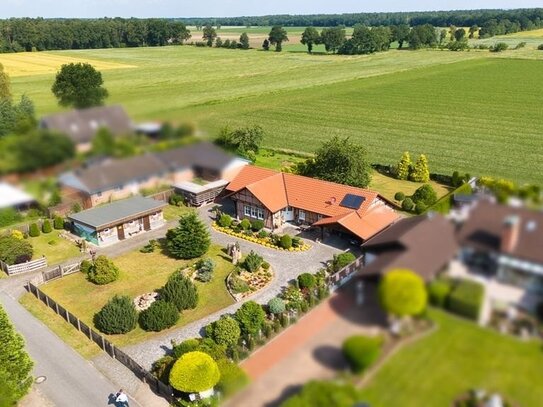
x: 469, y: 111
x: 458, y: 357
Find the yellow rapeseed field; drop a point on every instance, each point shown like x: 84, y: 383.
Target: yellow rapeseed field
x: 39, y: 63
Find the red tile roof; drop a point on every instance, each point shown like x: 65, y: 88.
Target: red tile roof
x: 276, y: 190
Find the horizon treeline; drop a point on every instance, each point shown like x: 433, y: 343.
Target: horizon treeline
x: 39, y: 34
x: 527, y: 19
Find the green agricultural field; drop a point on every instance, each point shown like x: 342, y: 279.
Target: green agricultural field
x: 469, y: 111
x: 458, y: 357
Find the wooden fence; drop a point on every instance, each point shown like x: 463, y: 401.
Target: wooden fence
x: 32, y: 265
x: 162, y: 195
x: 145, y: 376
x: 344, y: 275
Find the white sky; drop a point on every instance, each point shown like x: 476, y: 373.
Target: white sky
x: 227, y: 8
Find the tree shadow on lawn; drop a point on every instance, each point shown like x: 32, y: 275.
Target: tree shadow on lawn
x: 330, y: 357
x: 285, y: 394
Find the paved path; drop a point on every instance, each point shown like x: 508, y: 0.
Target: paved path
x: 308, y: 350
x: 71, y: 381
x: 286, y: 266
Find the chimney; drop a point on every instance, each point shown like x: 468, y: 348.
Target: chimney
x: 510, y: 234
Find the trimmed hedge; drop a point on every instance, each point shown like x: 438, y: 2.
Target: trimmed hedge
x: 362, y: 351
x: 466, y: 299
x: 160, y: 315
x: 439, y: 291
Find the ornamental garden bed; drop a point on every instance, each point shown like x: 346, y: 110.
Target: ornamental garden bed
x: 254, y: 232
x: 242, y: 283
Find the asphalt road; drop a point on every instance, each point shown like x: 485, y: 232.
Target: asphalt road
x: 71, y: 380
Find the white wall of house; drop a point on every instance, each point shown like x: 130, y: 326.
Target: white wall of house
x: 108, y: 236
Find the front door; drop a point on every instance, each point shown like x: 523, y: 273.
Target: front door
x: 120, y: 232
x: 288, y: 213
x: 146, y: 223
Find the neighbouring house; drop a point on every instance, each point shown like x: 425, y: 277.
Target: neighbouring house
x: 111, y: 223
x: 81, y: 125
x: 276, y: 198
x: 424, y: 244
x: 503, y: 246
x: 13, y: 197
x: 112, y: 179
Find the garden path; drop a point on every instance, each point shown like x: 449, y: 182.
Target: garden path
x: 308, y: 350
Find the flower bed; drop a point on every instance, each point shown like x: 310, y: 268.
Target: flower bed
x: 264, y: 241
x: 242, y: 284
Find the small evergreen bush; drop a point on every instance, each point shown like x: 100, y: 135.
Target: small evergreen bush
x: 58, y: 223
x: 296, y: 241
x: 342, y: 260
x: 257, y: 225
x: 85, y: 266
x: 399, y: 196
x: 225, y: 220
x: 362, y: 351
x: 34, y: 230
x: 286, y: 242
x: 118, y: 316
x: 276, y: 306
x: 102, y: 271
x: 159, y: 316
x: 245, y: 224
x: 180, y: 291
x: 263, y: 234
x: 224, y: 331
x: 253, y: 262
x: 307, y: 280
x: 408, y: 205
x: 46, y: 226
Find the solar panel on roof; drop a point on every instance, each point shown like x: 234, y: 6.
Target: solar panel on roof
x: 352, y: 201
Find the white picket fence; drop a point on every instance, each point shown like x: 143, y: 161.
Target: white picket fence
x: 24, y: 267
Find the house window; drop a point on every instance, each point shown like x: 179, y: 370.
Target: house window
x: 253, y: 212
x: 319, y: 216
x: 301, y: 214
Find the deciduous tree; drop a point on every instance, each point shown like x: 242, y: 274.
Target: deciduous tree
x: 277, y: 36
x: 209, y: 34
x: 79, y: 85
x: 244, y: 41
x: 332, y: 38
x: 250, y: 317
x: 310, y: 37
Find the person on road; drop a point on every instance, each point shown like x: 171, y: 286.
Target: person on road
x: 121, y: 398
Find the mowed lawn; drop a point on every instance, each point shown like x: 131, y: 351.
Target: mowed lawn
x: 459, y: 356
x: 141, y: 273
x: 53, y: 247
x: 483, y: 117
x: 469, y: 111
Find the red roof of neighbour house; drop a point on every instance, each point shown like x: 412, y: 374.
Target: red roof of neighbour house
x: 276, y: 190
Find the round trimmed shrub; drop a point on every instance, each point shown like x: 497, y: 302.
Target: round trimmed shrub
x: 286, y: 242
x: 250, y: 317
x: 225, y: 331
x: 342, y: 260
x: 399, y: 196
x: 266, y: 265
x: 180, y: 291
x: 85, y: 266
x: 159, y: 316
x: 438, y: 292
x: 58, y: 223
x: 540, y: 47
x: 118, y: 316
x: 34, y: 230
x: 425, y: 194
x: 257, y: 225
x: 362, y: 351
x: 245, y: 224
x: 263, y: 234
x: 408, y: 204
x: 276, y: 306
x: 46, y: 226
x: 420, y: 208
x: 194, y: 372
x: 102, y: 271
x: 225, y: 220
x: 307, y: 280
x: 403, y: 293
